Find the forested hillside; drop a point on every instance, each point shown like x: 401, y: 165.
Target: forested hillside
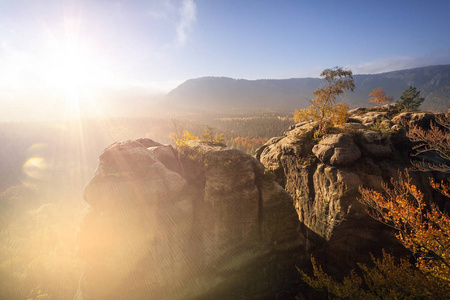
x: 226, y: 94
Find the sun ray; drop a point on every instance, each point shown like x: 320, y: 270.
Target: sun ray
x: 70, y: 66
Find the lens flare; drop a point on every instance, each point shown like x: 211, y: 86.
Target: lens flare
x: 35, y: 168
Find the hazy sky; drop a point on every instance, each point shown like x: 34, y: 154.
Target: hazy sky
x: 154, y: 45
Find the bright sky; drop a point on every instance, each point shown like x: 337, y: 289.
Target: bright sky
x: 79, y: 46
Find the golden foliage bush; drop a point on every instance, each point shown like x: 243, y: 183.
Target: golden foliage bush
x: 183, y: 137
x: 378, y: 97
x: 422, y: 228
x: 386, y: 279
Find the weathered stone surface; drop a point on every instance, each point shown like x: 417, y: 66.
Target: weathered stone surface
x: 129, y: 168
x: 391, y: 107
x: 356, y: 110
x: 167, y: 156
x: 295, y: 142
x: 421, y: 119
x: 352, y: 126
x: 337, y: 149
x: 371, y: 117
x: 205, y: 223
x: 345, y: 155
x: 376, y: 143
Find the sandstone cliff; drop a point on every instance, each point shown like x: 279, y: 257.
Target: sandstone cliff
x: 209, y: 222
x: 323, y: 176
x: 204, y: 223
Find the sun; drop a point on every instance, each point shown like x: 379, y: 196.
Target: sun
x: 71, y: 72
x: 71, y: 67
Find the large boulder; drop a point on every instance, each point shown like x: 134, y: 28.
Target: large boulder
x: 201, y: 223
x: 337, y: 149
x: 375, y: 143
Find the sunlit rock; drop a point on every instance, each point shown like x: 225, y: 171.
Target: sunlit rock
x: 204, y: 222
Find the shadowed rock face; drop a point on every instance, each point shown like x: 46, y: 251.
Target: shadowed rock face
x: 202, y: 224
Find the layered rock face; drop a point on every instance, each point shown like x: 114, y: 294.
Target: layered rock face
x: 323, y: 176
x: 204, y: 223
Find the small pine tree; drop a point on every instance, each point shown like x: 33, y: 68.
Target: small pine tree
x: 410, y: 99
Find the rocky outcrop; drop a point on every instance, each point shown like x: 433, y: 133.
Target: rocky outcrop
x: 323, y: 177
x: 204, y: 223
x: 337, y: 149
x: 421, y: 119
x: 209, y: 222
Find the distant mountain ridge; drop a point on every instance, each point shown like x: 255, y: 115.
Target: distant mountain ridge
x: 227, y: 94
